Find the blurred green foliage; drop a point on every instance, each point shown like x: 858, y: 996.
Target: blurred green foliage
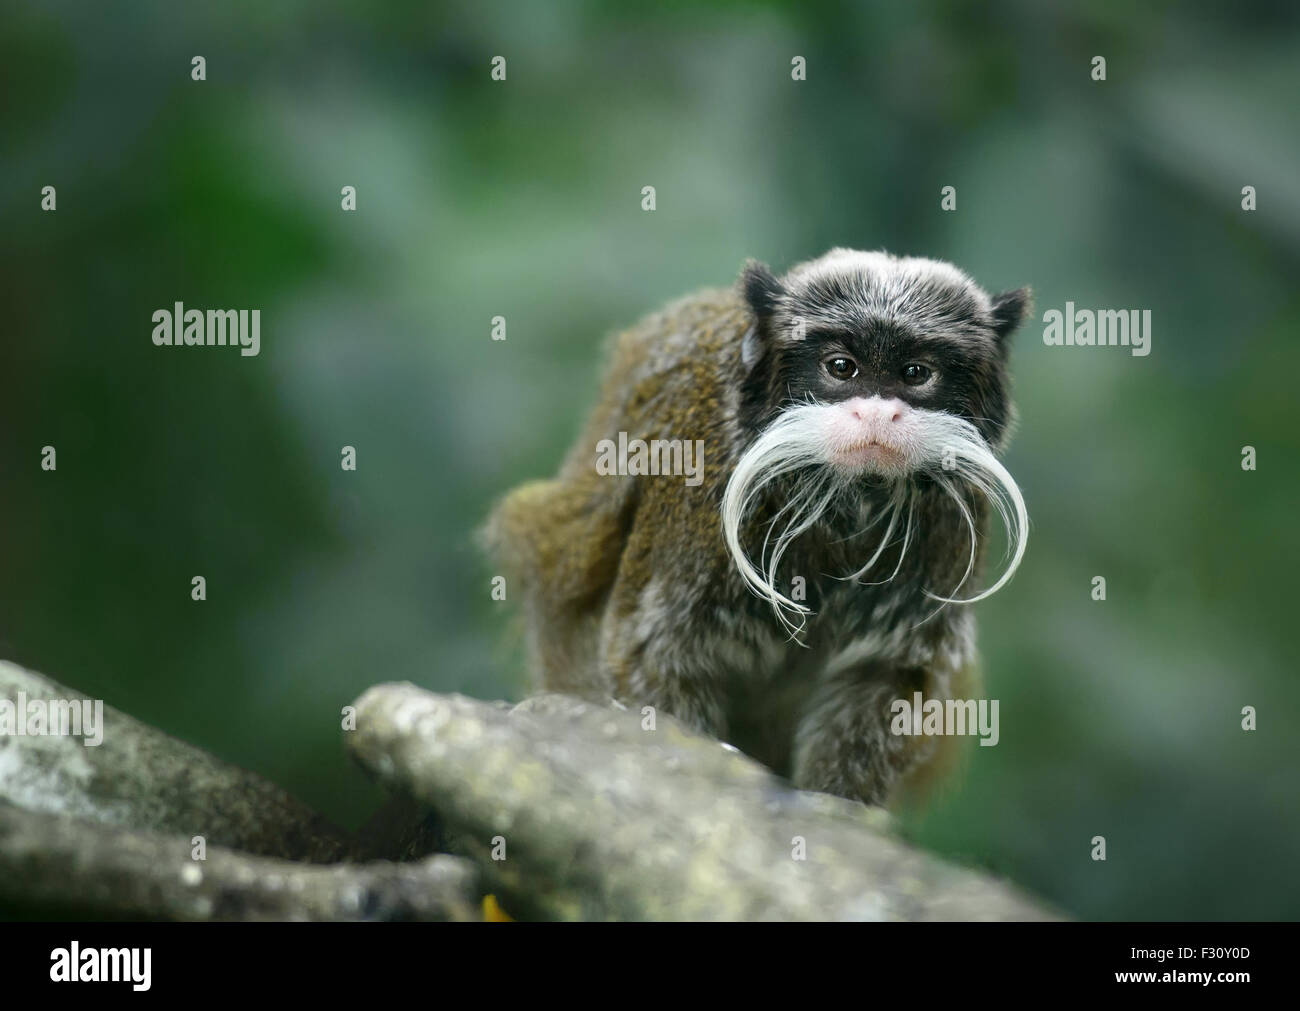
x: 522, y: 199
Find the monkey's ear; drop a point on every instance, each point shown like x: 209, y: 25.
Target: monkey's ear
x: 761, y: 289
x: 1010, y: 310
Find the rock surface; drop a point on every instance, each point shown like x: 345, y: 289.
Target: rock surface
x: 575, y: 812
x: 141, y: 778
x: 559, y: 808
x: 52, y: 863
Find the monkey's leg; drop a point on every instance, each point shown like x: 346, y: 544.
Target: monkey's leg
x: 693, y: 696
x: 651, y: 667
x: 843, y: 742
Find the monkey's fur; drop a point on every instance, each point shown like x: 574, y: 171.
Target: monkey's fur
x: 630, y: 591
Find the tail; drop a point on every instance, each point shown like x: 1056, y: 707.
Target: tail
x: 559, y: 545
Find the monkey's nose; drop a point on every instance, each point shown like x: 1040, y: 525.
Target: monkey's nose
x: 877, y: 409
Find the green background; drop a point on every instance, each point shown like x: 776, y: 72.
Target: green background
x: 475, y: 198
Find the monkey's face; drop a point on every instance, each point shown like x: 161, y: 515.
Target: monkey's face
x: 864, y: 365
x: 887, y: 342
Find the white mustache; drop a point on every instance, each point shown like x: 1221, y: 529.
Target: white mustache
x: 796, y: 442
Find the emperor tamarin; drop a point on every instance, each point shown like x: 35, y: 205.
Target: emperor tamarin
x: 823, y: 562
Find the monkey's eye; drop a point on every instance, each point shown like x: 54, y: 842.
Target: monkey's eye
x: 840, y: 367
x: 914, y: 373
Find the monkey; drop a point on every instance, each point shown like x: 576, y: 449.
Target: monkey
x: 850, y: 414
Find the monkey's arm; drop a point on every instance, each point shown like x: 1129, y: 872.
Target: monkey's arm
x: 844, y: 743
